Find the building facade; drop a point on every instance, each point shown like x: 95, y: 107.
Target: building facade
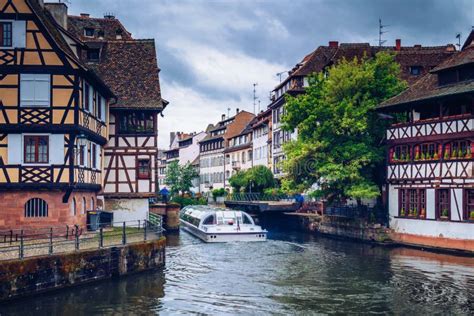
x: 129, y: 67
x: 414, y: 63
x: 262, y: 139
x: 239, y: 153
x: 53, y: 120
x: 212, y: 166
x: 430, y: 164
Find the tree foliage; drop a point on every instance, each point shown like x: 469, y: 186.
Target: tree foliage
x: 255, y: 179
x: 179, y: 178
x: 339, y: 132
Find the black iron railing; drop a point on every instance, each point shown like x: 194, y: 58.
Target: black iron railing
x: 47, y: 241
x: 255, y: 197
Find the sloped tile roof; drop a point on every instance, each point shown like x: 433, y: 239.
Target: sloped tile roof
x: 427, y: 87
x: 128, y: 66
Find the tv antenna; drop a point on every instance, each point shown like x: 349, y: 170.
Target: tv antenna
x: 280, y: 74
x: 458, y: 37
x: 254, y: 96
x: 258, y: 106
x: 381, y: 32
x: 228, y: 112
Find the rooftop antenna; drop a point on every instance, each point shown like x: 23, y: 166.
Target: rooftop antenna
x: 381, y: 32
x: 458, y: 36
x: 254, y: 96
x: 280, y: 74
x: 258, y: 106
x: 228, y: 112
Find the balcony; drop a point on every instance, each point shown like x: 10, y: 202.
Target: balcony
x: 434, y: 127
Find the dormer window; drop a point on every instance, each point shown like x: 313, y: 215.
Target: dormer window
x: 89, y: 32
x: 101, y: 34
x: 415, y: 70
x: 93, y: 54
x: 6, y: 34
x: 118, y: 34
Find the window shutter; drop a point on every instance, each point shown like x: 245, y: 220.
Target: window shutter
x: 15, y: 149
x: 35, y: 90
x: 19, y: 34
x: 56, y: 149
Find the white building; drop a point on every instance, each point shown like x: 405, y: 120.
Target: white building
x: 239, y: 154
x: 262, y: 139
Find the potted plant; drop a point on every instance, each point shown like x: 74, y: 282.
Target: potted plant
x: 423, y: 156
x: 435, y: 156
x: 454, y: 154
x: 445, y: 214
x: 446, y: 154
x: 423, y: 213
x: 415, y: 212
x: 417, y: 155
x: 410, y: 213
x: 471, y: 216
x: 395, y: 157
x: 402, y: 212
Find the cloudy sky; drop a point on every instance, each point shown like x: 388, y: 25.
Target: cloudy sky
x: 212, y: 51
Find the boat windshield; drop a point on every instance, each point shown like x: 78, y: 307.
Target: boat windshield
x: 210, y: 220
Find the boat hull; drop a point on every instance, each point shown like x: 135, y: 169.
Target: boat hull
x: 216, y: 237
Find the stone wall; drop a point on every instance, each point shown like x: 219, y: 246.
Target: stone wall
x: 12, y: 209
x: 35, y: 275
x: 170, y: 213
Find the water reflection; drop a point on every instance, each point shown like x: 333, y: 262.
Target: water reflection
x: 290, y: 274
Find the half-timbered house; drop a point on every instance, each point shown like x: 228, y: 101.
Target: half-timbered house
x: 129, y: 67
x: 53, y: 120
x: 430, y: 168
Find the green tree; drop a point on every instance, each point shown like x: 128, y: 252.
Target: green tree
x: 179, y: 178
x: 255, y: 179
x: 172, y: 177
x: 339, y: 131
x: 259, y: 178
x: 238, y: 181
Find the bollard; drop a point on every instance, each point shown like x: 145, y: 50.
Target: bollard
x: 145, y: 229
x: 21, y: 245
x: 124, y: 235
x: 76, y: 237
x: 51, y: 241
x: 101, y: 237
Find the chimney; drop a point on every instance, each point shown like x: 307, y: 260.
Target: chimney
x: 85, y: 15
x: 223, y: 117
x: 334, y: 44
x: 172, y: 135
x: 417, y: 46
x: 398, y: 44
x: 237, y: 110
x: 59, y: 12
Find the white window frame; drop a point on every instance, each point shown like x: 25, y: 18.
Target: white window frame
x: 34, y: 79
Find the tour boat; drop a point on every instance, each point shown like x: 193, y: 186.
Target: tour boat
x: 213, y: 224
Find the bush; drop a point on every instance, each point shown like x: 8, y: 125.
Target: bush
x: 185, y: 201
x: 219, y: 192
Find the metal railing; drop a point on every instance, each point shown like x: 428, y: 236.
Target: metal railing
x: 371, y: 214
x: 255, y: 197
x: 20, y: 244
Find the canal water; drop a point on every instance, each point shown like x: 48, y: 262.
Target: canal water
x: 292, y: 273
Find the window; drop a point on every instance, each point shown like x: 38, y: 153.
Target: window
x: 94, y: 155
x: 6, y: 34
x: 400, y: 153
x: 469, y: 204
x: 93, y: 54
x: 412, y: 203
x: 427, y: 151
x: 82, y: 155
x: 35, y: 90
x: 443, y: 207
x: 415, y: 70
x: 84, y: 206
x: 36, y: 149
x: 89, y: 32
x: 86, y: 97
x: 36, y: 208
x: 210, y: 220
x: 92, y: 204
x: 73, y: 207
x: 144, y: 169
x: 136, y: 123
x: 460, y: 149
